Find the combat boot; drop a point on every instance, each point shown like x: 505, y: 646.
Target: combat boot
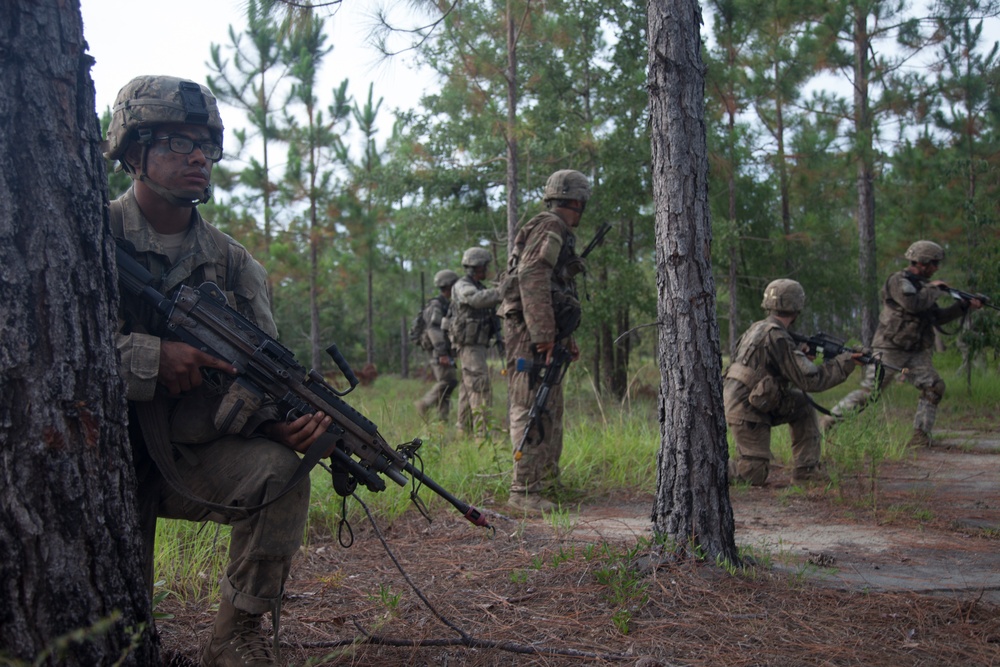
x: 827, y: 422
x: 236, y: 641
x: 919, y: 439
x: 810, y: 475
x: 530, y: 502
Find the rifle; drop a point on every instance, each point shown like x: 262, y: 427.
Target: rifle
x: 831, y: 347
x: 496, y: 333
x: 550, y: 375
x: 959, y: 295
x: 602, y: 231
x: 202, y: 318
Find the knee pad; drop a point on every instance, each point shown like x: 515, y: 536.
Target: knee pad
x: 934, y: 393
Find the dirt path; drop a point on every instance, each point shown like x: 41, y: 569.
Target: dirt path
x: 933, y: 528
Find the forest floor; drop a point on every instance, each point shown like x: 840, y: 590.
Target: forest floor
x: 899, y: 570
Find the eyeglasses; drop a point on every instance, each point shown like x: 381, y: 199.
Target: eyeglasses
x: 186, y: 146
x: 933, y: 262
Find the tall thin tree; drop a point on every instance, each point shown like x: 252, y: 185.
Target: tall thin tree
x: 692, y: 495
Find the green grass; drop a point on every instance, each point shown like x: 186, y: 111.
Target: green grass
x: 608, y: 446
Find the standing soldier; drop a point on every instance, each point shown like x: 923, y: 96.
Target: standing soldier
x: 540, y: 310
x: 905, y: 338
x: 166, y: 134
x: 436, y: 342
x: 766, y: 385
x: 473, y: 325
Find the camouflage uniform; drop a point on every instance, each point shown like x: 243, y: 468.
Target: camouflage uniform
x: 539, y: 299
x: 445, y: 376
x: 230, y: 469
x: 765, y: 386
x: 905, y: 338
x: 233, y: 468
x: 471, y: 330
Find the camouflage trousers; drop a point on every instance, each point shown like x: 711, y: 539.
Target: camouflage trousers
x: 239, y: 471
x: 439, y: 395
x: 538, y: 468
x: 474, y: 393
x: 753, y: 440
x: 919, y: 372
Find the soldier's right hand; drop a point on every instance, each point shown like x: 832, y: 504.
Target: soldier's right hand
x: 181, y: 364
x: 546, y: 349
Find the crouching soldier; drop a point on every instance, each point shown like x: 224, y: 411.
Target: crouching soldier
x: 766, y: 385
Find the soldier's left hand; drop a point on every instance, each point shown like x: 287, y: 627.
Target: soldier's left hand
x: 300, y: 433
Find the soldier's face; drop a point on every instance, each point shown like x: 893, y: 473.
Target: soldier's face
x: 929, y: 269
x: 190, y: 173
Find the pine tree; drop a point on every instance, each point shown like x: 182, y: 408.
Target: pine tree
x: 692, y: 496
x: 72, y: 563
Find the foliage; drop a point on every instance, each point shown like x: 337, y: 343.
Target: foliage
x: 351, y: 236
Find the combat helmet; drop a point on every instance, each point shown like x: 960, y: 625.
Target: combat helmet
x: 784, y: 295
x: 567, y: 184
x: 148, y: 101
x: 474, y: 257
x: 924, y: 252
x: 445, y: 278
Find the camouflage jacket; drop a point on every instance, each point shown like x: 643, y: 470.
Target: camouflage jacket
x: 140, y: 328
x: 766, y: 366
x: 434, y: 315
x: 473, y: 307
x: 910, y: 313
x: 540, y: 283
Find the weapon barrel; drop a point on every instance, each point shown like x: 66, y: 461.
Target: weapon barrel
x: 467, y: 510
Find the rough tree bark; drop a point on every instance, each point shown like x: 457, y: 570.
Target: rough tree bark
x: 692, y: 497
x: 71, y: 552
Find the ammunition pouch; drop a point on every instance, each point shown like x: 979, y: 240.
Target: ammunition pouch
x: 567, y: 312
x: 237, y: 405
x: 766, y: 394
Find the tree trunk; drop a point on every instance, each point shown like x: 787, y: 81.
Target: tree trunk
x: 68, y: 522
x: 511, y: 127
x: 864, y: 131
x: 692, y: 497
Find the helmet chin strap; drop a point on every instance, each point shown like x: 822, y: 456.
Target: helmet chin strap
x: 172, y: 196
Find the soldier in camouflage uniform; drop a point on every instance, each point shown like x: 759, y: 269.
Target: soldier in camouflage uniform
x: 766, y: 385
x: 539, y: 310
x: 472, y: 325
x: 905, y: 338
x: 437, y: 344
x: 166, y: 134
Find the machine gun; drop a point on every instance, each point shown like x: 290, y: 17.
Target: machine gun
x: 547, y: 376
x: 830, y: 347
x: 959, y: 295
x: 202, y: 318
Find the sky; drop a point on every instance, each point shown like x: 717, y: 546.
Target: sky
x: 128, y: 38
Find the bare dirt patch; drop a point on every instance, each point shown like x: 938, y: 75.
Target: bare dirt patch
x: 909, y: 576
